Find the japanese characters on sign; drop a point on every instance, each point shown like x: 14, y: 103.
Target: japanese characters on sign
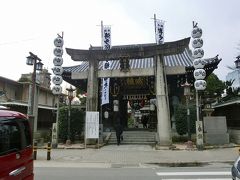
x: 159, y: 31
x: 106, y: 38
x: 92, y: 125
x: 106, y: 44
x: 57, y: 62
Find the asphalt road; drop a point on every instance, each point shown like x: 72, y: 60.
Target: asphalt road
x: 123, y: 173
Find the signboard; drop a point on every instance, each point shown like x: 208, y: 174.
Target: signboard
x: 159, y: 31
x: 106, y: 43
x: 199, y: 134
x: 92, y: 125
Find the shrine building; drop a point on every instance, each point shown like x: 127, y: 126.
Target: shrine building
x: 141, y: 76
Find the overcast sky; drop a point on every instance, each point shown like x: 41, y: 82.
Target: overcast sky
x: 31, y: 25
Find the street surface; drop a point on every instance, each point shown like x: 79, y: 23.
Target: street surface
x: 189, y: 173
x: 135, y: 162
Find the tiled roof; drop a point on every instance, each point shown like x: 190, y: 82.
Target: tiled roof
x: 183, y: 59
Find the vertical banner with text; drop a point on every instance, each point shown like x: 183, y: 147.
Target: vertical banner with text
x: 106, y: 44
x: 159, y: 24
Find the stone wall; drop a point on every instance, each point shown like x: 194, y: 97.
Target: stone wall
x: 215, y: 130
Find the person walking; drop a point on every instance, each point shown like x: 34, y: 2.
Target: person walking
x: 144, y: 121
x: 118, y: 128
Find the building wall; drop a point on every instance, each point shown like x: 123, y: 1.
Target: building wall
x: 19, y: 92
x: 232, y: 115
x: 46, y: 97
x: 13, y: 90
x: 25, y: 92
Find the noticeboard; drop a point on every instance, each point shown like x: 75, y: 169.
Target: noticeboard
x: 92, y: 125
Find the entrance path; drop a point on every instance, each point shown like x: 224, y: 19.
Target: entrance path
x: 137, y: 155
x: 126, y: 147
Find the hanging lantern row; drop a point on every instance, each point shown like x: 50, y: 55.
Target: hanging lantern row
x: 57, y: 62
x: 198, y: 63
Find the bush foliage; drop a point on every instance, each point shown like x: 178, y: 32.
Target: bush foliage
x: 76, y: 123
x: 181, y: 119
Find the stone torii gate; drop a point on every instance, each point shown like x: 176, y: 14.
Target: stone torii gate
x: 93, y: 56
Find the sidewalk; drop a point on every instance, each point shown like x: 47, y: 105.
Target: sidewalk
x: 134, y: 155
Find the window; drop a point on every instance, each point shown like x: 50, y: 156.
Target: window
x: 14, y: 135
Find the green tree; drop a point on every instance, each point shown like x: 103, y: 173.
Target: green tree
x: 76, y: 123
x: 232, y: 93
x: 181, y: 119
x: 215, y: 87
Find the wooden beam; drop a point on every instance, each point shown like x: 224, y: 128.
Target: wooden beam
x: 132, y: 73
x: 134, y: 51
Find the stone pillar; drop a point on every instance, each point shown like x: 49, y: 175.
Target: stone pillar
x: 92, y: 86
x: 164, y: 124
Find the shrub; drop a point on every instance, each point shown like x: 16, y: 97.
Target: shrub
x: 76, y: 123
x: 181, y: 119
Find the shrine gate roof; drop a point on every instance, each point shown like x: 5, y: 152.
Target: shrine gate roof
x: 183, y: 59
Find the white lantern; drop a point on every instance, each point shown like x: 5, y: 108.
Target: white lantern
x: 58, y: 42
x: 57, y: 80
x: 58, y: 61
x: 199, y: 63
x: 57, y: 89
x: 197, y: 43
x: 57, y: 70
x: 196, y: 32
x: 106, y: 114
x: 199, y: 74
x: 198, y: 53
x: 115, y: 105
x: 152, y: 107
x: 200, y: 85
x: 58, y: 51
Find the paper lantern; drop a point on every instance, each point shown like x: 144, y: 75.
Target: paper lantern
x: 200, y: 85
x: 196, y: 32
x: 199, y: 74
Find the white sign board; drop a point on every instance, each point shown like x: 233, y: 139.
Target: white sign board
x: 92, y: 125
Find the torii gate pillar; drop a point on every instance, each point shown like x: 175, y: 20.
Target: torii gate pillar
x: 163, y: 125
x: 92, y: 86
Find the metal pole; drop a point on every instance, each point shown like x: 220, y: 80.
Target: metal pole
x: 199, y: 127
x: 197, y: 105
x: 188, y: 119
x: 55, y: 134
x: 102, y: 33
x: 32, y: 96
x: 155, y: 20
x: 69, y: 118
x: 57, y: 120
x: 49, y: 151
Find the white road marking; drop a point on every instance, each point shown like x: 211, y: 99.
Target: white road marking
x: 201, y: 179
x: 226, y: 173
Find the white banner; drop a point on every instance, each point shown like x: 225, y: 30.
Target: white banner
x: 106, y: 37
x: 105, y: 90
x: 159, y: 31
x: 106, y: 44
x: 92, y: 125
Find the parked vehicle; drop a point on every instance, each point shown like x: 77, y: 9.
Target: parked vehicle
x: 236, y: 169
x: 16, y: 158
